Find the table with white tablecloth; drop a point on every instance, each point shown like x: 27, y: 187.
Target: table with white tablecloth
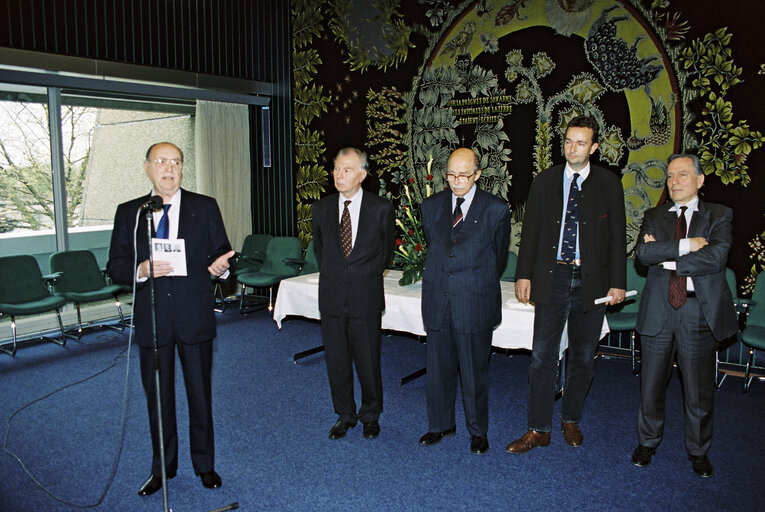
x: 299, y: 296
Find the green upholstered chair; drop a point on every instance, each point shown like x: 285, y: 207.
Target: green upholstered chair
x: 249, y: 259
x: 280, y: 263
x: 730, y: 278
x: 753, y: 335
x: 23, y: 292
x: 253, y: 253
x: 624, y: 317
x: 508, y: 274
x: 310, y: 263
x: 83, y: 281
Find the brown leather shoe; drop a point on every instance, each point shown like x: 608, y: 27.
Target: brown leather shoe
x: 571, y: 434
x: 529, y: 440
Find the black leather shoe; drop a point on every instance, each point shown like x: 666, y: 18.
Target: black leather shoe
x: 371, y: 430
x: 479, y: 444
x: 339, y: 429
x: 642, y: 455
x: 701, y: 465
x: 211, y: 479
x: 432, y: 438
x: 152, y: 485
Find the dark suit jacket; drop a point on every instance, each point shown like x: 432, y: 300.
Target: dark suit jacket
x: 602, y: 234
x: 464, y: 276
x: 353, y: 287
x: 706, y: 267
x: 184, y: 304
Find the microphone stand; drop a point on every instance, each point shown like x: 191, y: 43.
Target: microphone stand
x: 160, y: 430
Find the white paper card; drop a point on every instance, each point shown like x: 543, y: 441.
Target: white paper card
x: 172, y: 251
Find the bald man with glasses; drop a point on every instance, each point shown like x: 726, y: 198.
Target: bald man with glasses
x: 468, y: 233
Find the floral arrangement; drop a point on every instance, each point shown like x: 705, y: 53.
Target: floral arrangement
x: 411, y: 248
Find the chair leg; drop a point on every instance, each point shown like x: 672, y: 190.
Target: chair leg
x: 635, y: 360
x: 747, y: 377
x: 120, y: 327
x: 78, y: 337
x: 12, y: 351
x: 220, y: 300
x: 62, y: 339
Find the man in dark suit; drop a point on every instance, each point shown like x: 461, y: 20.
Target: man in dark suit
x: 573, y: 251
x: 685, y: 308
x: 353, y: 233
x: 184, y: 306
x: 468, y: 233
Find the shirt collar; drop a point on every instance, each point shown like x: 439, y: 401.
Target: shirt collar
x: 693, y: 205
x: 582, y: 174
x: 468, y: 198
x: 341, y: 199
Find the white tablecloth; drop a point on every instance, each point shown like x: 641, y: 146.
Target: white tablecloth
x: 300, y: 296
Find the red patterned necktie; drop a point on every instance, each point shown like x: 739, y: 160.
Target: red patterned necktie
x: 677, y: 284
x: 346, y: 235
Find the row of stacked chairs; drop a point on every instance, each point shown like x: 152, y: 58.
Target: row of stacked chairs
x: 75, y: 278
x: 262, y: 264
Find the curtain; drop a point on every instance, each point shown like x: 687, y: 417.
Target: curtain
x: 222, y: 147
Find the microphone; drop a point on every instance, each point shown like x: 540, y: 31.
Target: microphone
x: 154, y: 203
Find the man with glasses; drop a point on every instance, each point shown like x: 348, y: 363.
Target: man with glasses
x: 184, y: 307
x: 573, y: 251
x: 353, y: 234
x: 468, y: 233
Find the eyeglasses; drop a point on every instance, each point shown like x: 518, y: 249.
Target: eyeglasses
x: 343, y: 172
x: 459, y: 177
x: 172, y: 162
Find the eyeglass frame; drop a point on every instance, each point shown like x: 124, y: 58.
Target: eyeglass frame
x: 459, y: 177
x: 172, y: 162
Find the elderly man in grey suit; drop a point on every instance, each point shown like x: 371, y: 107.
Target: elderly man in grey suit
x: 686, y: 306
x: 353, y: 233
x: 468, y: 232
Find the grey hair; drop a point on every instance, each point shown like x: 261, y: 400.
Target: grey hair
x: 363, y: 160
x: 693, y: 158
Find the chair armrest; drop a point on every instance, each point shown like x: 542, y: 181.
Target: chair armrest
x: 51, y: 279
x: 295, y: 262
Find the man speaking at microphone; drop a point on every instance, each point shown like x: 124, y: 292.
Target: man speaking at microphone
x: 184, y: 306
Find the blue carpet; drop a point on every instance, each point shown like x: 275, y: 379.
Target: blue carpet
x: 272, y: 419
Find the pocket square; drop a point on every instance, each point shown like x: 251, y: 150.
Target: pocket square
x: 604, y: 216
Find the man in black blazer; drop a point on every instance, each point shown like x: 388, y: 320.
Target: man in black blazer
x: 573, y: 251
x: 184, y: 306
x: 353, y: 233
x: 468, y: 234
x: 686, y: 307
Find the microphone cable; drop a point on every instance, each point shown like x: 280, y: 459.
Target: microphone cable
x: 123, y: 415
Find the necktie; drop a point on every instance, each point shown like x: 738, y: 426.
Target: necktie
x: 677, y: 284
x: 163, y: 229
x: 568, y: 248
x: 346, y: 234
x: 457, y: 219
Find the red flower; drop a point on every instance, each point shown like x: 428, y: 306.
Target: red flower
x: 418, y: 247
x: 399, y: 241
x: 429, y: 177
x: 411, y: 180
x: 411, y: 231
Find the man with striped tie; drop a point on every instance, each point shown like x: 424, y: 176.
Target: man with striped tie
x: 468, y: 233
